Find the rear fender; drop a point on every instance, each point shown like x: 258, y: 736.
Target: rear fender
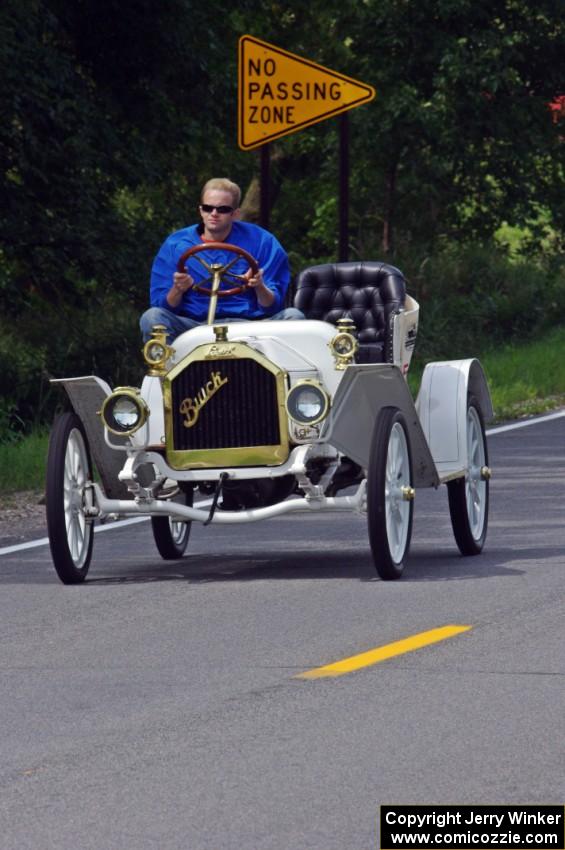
x: 442, y: 408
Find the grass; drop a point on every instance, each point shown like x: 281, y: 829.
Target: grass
x: 528, y: 379
x: 524, y: 380
x: 22, y: 463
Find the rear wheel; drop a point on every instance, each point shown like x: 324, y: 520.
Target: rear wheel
x: 390, y: 493
x: 171, y: 535
x: 469, y: 496
x: 68, y: 471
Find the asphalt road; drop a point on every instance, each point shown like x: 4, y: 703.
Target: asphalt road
x: 157, y: 706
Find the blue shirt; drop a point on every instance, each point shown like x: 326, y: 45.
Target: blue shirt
x: 261, y: 244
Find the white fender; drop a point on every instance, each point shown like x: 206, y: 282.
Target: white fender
x: 364, y: 390
x: 86, y: 395
x: 442, y: 409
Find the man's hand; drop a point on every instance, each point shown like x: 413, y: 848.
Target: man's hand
x: 255, y: 281
x: 265, y: 296
x: 182, y: 282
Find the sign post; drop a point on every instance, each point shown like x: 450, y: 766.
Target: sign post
x: 265, y: 186
x: 343, y: 197
x: 280, y: 93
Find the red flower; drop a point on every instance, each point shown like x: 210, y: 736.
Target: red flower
x: 557, y: 107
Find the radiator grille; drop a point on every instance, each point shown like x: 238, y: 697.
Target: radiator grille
x: 240, y: 411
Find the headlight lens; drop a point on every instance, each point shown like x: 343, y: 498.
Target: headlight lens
x: 307, y: 403
x: 124, y: 411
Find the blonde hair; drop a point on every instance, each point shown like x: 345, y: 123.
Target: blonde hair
x: 224, y: 185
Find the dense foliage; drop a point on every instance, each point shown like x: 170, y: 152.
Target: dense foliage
x: 114, y: 112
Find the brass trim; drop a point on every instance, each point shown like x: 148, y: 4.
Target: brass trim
x: 274, y: 455
x: 191, y: 407
x: 133, y: 393
x: 221, y: 333
x: 343, y: 360
x: 325, y: 411
x: 346, y: 323
x: 157, y: 366
x: 222, y: 458
x: 217, y: 270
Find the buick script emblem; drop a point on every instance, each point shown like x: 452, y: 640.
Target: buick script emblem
x: 191, y: 407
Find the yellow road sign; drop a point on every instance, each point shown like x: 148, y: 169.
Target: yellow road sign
x: 280, y: 93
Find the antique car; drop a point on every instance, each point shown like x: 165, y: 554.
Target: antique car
x: 264, y: 418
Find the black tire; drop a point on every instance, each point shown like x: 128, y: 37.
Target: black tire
x: 68, y: 469
x: 469, y: 496
x: 171, y: 537
x: 390, y: 493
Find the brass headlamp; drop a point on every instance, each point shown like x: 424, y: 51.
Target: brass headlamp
x: 156, y: 352
x: 344, y: 345
x: 123, y: 412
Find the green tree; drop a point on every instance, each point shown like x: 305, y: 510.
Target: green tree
x: 105, y: 110
x: 114, y: 112
x: 461, y: 137
x: 108, y: 119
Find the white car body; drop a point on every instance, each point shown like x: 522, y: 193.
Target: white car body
x: 133, y: 469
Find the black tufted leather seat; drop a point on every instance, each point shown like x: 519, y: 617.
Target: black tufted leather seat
x: 370, y: 293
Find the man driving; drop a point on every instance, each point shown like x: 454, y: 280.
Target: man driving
x: 175, y: 302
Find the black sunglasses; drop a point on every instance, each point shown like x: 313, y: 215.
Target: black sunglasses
x: 223, y: 208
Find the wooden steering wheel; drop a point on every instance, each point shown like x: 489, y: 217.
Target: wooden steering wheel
x: 219, y: 273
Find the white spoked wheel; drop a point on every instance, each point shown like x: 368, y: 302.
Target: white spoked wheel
x: 178, y: 531
x: 390, y: 493
x: 68, y: 472
x: 469, y: 496
x: 171, y: 535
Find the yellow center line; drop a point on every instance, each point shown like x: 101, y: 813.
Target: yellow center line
x: 382, y: 653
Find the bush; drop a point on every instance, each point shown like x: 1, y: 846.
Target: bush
x: 100, y: 338
x: 473, y: 299
x: 23, y: 463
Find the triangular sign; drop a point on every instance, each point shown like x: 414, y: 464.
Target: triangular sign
x: 280, y: 93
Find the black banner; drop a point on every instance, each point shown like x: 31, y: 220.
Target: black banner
x: 472, y: 827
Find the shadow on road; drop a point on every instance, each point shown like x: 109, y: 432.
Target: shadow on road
x: 308, y: 566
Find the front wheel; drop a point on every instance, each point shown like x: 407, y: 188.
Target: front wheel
x: 469, y: 496
x: 171, y: 535
x: 390, y: 493
x: 66, y: 495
